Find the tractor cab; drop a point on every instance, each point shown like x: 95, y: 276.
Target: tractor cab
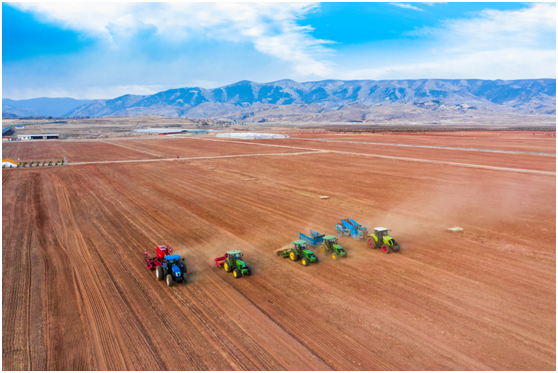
x: 380, y: 232
x: 172, y: 260
x: 330, y: 240
x: 175, y: 268
x: 234, y: 254
x: 300, y: 245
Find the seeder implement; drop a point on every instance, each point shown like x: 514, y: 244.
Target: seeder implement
x: 351, y: 227
x: 157, y: 260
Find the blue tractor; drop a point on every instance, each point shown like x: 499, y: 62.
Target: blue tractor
x: 173, y: 270
x: 351, y: 227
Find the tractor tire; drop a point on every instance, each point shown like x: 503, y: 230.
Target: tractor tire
x: 386, y: 248
x: 159, y: 273
x: 293, y: 256
x: 304, y: 261
x: 249, y: 271
x: 237, y: 273
x: 372, y: 243
x: 169, y: 280
x: 334, y: 256
x: 227, y: 267
x: 323, y: 249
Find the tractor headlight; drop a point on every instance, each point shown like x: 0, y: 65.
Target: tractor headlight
x: 177, y: 274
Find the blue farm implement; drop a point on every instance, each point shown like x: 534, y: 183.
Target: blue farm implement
x: 314, y: 239
x: 351, y: 227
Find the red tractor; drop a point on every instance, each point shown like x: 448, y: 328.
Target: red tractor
x: 157, y: 261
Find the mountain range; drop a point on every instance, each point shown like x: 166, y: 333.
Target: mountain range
x: 44, y: 106
x: 325, y: 100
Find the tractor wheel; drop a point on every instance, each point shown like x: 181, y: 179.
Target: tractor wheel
x: 323, y: 249
x: 386, y: 248
x: 293, y: 256
x: 169, y: 280
x: 249, y: 271
x: 160, y: 273
x: 304, y: 261
x: 334, y: 256
x: 372, y: 243
x: 227, y: 267
x: 237, y: 273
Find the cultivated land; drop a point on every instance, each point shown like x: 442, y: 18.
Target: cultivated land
x: 76, y: 293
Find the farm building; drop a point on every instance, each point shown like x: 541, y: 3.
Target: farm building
x: 44, y: 136
x: 173, y: 131
x: 252, y: 135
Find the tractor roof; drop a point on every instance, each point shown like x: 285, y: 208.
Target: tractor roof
x: 233, y: 252
x: 300, y: 242
x: 172, y: 257
x: 329, y: 237
x: 381, y: 229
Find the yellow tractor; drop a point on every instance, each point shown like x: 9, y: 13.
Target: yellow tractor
x: 381, y: 239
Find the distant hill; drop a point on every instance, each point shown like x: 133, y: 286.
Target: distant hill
x: 13, y: 111
x: 55, y: 107
x: 335, y: 100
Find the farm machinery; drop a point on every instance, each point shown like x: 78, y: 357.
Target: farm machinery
x: 381, y: 239
x: 298, y: 250
x: 328, y: 243
x: 231, y: 263
x: 166, y: 266
x: 351, y: 227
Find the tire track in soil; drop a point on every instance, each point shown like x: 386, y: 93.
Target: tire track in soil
x: 15, y: 341
x: 407, y: 159
x: 172, y: 196
x: 247, y: 357
x: 106, y: 345
x: 193, y: 357
x: 137, y: 150
x: 190, y: 261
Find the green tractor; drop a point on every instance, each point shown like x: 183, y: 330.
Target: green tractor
x: 330, y: 245
x: 298, y: 250
x: 231, y: 263
x: 381, y: 239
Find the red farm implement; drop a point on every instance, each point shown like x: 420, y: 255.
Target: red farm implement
x: 157, y: 261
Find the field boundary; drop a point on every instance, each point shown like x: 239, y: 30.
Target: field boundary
x: 432, y: 146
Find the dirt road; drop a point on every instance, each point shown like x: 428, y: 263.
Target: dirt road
x: 76, y: 294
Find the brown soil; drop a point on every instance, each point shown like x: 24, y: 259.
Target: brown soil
x: 77, y: 296
x: 506, y: 140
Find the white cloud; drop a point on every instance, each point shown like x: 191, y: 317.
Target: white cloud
x: 495, y: 29
x: 493, y: 44
x: 270, y: 27
x: 501, y: 64
x: 406, y: 6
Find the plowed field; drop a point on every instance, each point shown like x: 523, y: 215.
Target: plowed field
x: 77, y: 295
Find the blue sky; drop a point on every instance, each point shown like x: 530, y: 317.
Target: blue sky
x: 104, y: 50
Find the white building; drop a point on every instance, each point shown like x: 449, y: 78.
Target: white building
x: 251, y: 135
